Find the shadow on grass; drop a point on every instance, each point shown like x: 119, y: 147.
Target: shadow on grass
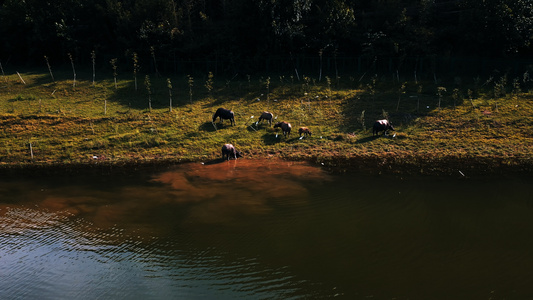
x: 271, y: 138
x: 138, y: 99
x: 219, y: 101
x: 254, y: 127
x: 375, y: 137
x: 210, y: 126
x: 259, y: 127
x: 275, y: 138
x: 364, y: 109
x: 264, y: 126
x: 366, y: 139
x: 42, y: 77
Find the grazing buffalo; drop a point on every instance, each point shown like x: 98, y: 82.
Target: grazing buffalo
x: 305, y: 131
x: 266, y: 116
x: 285, y: 127
x: 381, y: 125
x: 229, y: 151
x: 223, y: 113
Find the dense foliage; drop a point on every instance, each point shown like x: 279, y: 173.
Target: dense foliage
x: 243, y: 32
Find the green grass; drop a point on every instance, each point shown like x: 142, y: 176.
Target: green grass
x: 71, y: 125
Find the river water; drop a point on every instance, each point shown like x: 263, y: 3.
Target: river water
x: 252, y: 229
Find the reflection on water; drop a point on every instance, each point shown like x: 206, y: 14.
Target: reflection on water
x: 264, y: 230
x: 232, y: 190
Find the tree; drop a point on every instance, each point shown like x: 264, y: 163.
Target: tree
x: 243, y: 33
x: 496, y: 27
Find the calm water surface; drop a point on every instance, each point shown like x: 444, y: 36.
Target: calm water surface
x: 251, y: 229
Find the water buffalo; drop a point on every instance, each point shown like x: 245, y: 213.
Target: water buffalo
x: 223, y: 113
x: 228, y: 151
x: 305, y: 131
x: 381, y: 125
x: 285, y: 127
x: 266, y: 116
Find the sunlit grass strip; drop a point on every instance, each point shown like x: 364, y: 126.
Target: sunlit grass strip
x: 71, y: 127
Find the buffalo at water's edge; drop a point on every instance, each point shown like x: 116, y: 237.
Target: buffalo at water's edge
x: 229, y: 151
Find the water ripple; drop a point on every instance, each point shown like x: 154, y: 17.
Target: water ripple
x: 274, y: 231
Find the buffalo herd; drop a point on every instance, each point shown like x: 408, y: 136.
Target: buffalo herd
x: 229, y: 151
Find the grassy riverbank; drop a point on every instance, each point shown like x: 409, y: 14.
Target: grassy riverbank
x: 62, y: 122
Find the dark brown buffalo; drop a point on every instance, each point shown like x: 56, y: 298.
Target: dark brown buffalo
x: 285, y: 127
x: 305, y: 131
x: 224, y: 114
x: 266, y: 116
x: 229, y: 151
x: 381, y: 125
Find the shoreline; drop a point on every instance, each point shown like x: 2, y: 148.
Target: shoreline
x: 66, y: 131
x: 372, y: 164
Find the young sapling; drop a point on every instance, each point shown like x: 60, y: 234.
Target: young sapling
x: 419, y: 92
x: 401, y: 91
x: 455, y: 96
x: 135, y: 67
x: 169, y: 86
x: 440, y: 92
x: 516, y: 88
x: 93, y: 59
x: 2, y: 69
x: 149, y: 90
x: 209, y: 83
x: 190, y: 81
x: 320, y: 52
x: 267, y: 82
x: 49, y: 68
x: 470, y: 97
x: 31, y: 149
x: 73, y: 69
x: 113, y: 63
x: 21, y: 79
x: 152, y: 52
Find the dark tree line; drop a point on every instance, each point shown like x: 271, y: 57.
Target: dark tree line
x: 241, y: 32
